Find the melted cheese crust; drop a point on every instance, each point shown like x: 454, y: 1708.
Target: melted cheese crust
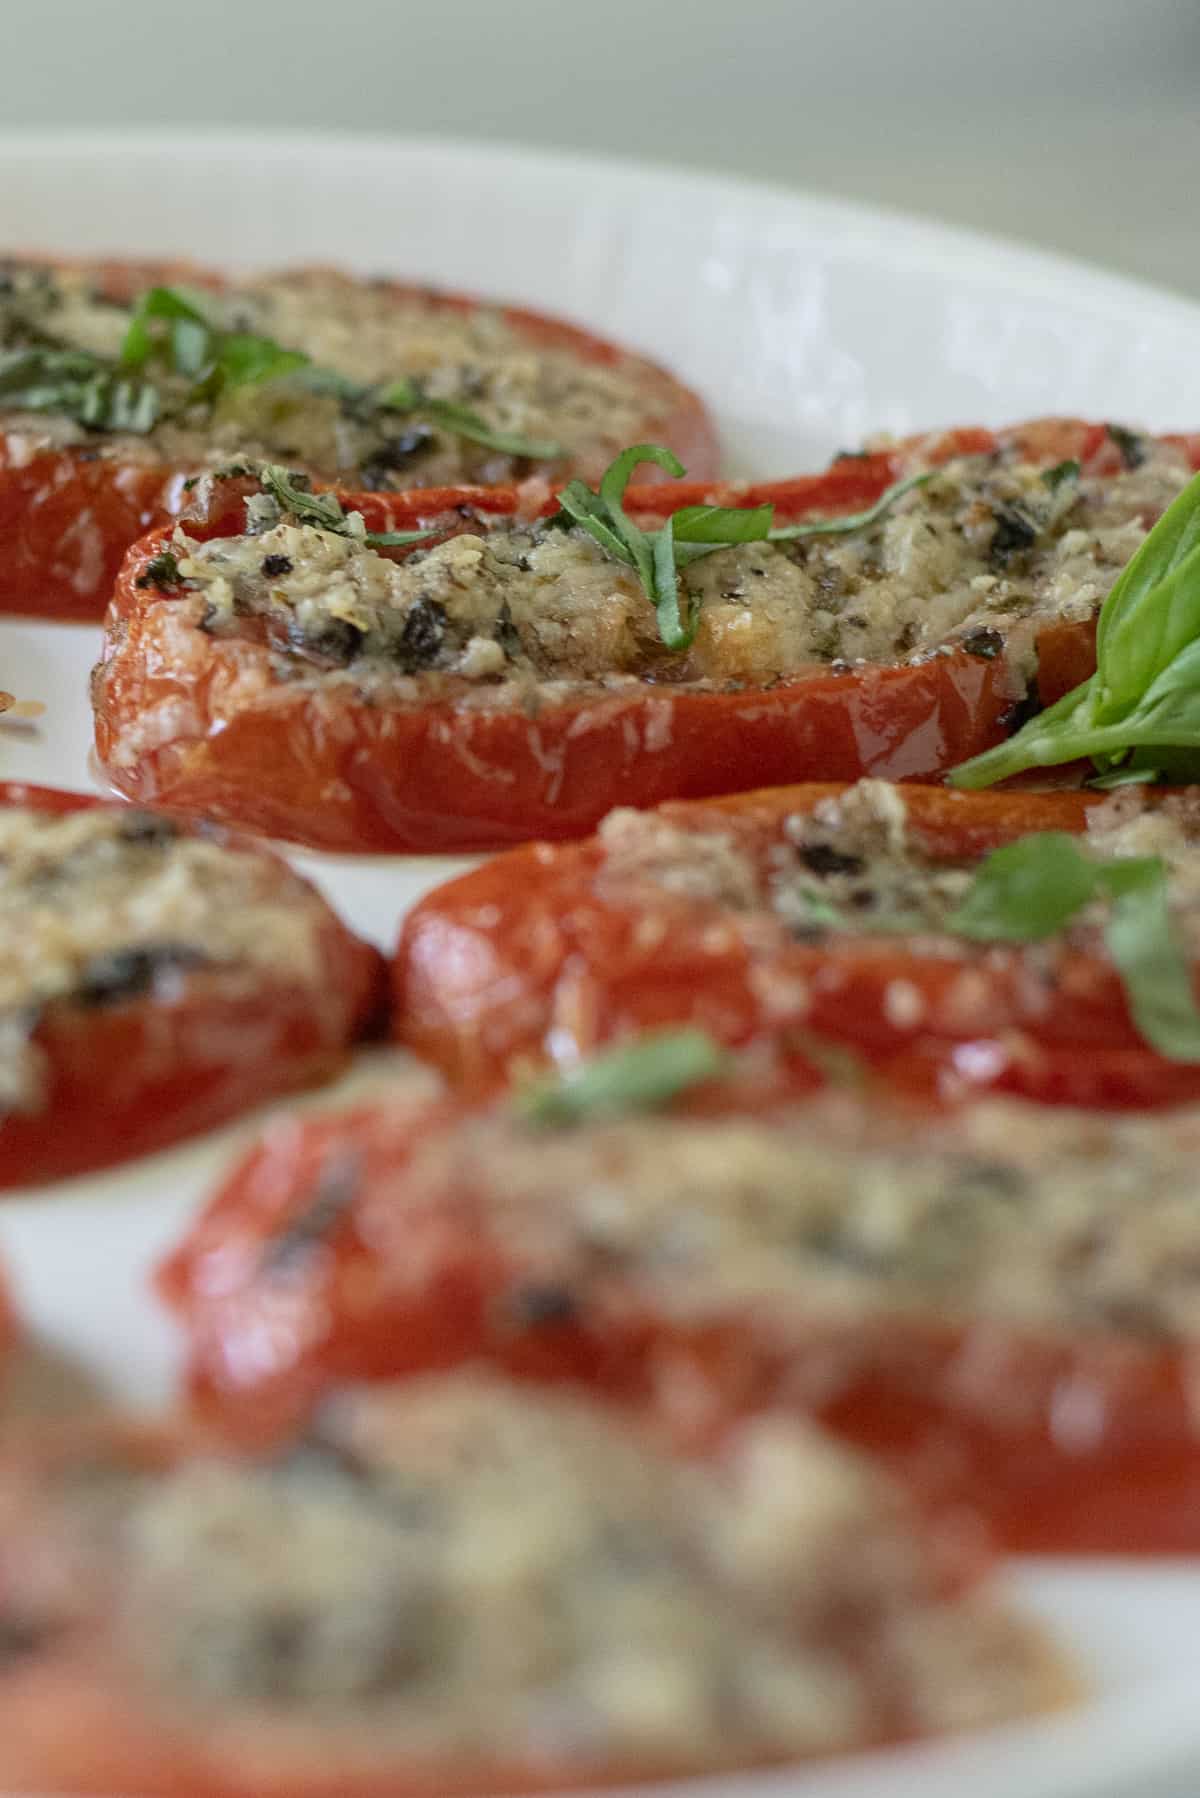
x: 839, y: 1211
x: 100, y: 905
x: 465, y: 1571
x: 367, y: 333
x: 530, y: 613
x: 852, y: 867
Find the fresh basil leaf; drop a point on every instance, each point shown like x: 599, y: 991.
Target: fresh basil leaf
x: 325, y: 512
x: 1145, y: 693
x: 161, y: 571
x: 242, y: 359
x: 1027, y: 890
x: 166, y: 305
x: 642, y: 1076
x: 79, y: 386
x: 404, y: 395
x: 579, y: 505
x: 397, y: 396
x: 852, y: 521
x: 1154, y: 971
x: 1128, y: 776
x: 722, y: 525
x: 464, y: 423
x: 1030, y: 889
x: 676, y: 631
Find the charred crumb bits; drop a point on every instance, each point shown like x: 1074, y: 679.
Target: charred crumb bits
x: 422, y: 635
x: 273, y: 566
x: 133, y: 972
x: 1013, y: 535
x: 820, y: 858
x: 986, y: 644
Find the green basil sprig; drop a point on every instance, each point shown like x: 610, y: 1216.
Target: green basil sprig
x: 640, y: 1076
x: 78, y: 385
x: 1139, y: 714
x: 407, y: 396
x: 1034, y: 887
x: 198, y: 349
x: 693, y: 531
x: 292, y: 494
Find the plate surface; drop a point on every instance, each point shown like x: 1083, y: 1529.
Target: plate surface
x: 807, y: 324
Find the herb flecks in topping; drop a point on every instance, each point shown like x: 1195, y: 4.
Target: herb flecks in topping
x: 642, y: 1076
x: 161, y: 571
x: 172, y: 327
x: 657, y: 556
x: 985, y: 643
x: 1062, y: 472
x: 407, y: 396
x: 1033, y: 888
x: 79, y: 385
x: 1141, y: 708
x: 1131, y: 445
x: 289, y: 494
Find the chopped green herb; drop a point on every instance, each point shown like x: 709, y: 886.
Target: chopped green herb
x: 161, y: 571
x: 407, y: 396
x: 292, y: 494
x: 1062, y: 471
x: 1034, y: 887
x: 692, y: 532
x: 1142, y: 705
x: 170, y: 323
x: 79, y: 385
x: 641, y: 1076
x: 1131, y: 446
x: 851, y: 521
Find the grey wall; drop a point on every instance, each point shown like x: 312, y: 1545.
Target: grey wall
x: 1072, y: 122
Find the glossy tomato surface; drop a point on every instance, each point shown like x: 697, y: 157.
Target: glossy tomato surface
x: 129, y: 1075
x: 68, y: 514
x: 193, y: 722
x: 533, y: 958
x: 284, y: 1297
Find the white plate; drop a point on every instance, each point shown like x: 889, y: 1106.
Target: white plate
x: 806, y: 323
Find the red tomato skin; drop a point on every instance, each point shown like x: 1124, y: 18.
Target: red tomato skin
x: 344, y: 775
x: 523, y: 961
x: 967, y: 1416
x: 126, y: 1078
x: 67, y: 516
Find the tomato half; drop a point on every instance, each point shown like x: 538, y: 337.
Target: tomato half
x: 193, y: 721
x: 123, y: 1070
x: 1082, y: 1442
x: 534, y: 958
x: 68, y: 514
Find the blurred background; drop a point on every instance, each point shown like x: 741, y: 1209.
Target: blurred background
x: 1072, y: 123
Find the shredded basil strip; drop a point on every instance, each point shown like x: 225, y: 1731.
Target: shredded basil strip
x: 1141, y: 708
x: 851, y: 521
x: 407, y: 396
x: 292, y: 495
x: 656, y: 556
x: 79, y: 385
x: 1034, y: 887
x: 195, y: 347
x: 642, y: 1076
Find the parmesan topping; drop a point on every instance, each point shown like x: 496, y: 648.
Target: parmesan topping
x: 465, y: 1571
x: 852, y: 866
x: 838, y: 1210
x: 368, y: 334
x: 97, y: 906
x: 541, y: 604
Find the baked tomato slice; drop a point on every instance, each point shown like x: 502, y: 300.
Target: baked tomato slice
x: 157, y: 980
x: 464, y: 1585
x: 385, y: 385
x: 1000, y: 1298
x: 509, y: 679
x: 818, y: 909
